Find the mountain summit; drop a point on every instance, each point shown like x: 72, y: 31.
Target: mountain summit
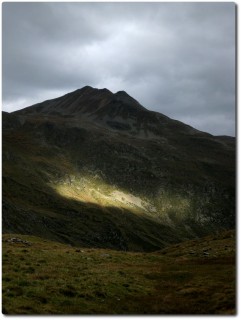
x: 87, y: 100
x: 113, y: 111
x: 96, y: 168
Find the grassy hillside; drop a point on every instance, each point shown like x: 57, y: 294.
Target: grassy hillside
x: 44, y: 277
x: 82, y: 185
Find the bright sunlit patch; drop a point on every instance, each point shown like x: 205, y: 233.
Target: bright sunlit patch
x: 92, y: 189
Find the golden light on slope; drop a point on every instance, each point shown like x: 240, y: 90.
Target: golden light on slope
x: 94, y: 190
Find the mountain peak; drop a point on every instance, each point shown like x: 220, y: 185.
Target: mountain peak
x: 124, y: 97
x: 86, y: 88
x: 122, y: 92
x: 89, y: 89
x: 85, y: 100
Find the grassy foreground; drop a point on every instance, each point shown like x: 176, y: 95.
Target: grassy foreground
x: 193, y: 277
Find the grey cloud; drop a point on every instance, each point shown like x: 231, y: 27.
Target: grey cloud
x: 175, y: 58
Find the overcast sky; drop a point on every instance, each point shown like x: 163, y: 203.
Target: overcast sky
x: 174, y: 58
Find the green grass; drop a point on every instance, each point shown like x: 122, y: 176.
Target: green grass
x: 53, y: 278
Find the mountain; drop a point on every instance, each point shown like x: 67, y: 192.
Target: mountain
x: 97, y: 169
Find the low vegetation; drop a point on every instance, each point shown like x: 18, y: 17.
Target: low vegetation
x: 44, y: 277
x: 99, y: 195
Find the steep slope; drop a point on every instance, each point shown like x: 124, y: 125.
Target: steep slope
x: 98, y: 169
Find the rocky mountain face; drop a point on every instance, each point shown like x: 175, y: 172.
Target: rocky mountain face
x: 97, y: 169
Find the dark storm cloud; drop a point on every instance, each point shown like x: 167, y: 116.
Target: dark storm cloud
x: 175, y: 58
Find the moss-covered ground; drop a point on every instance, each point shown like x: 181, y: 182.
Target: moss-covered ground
x: 44, y: 277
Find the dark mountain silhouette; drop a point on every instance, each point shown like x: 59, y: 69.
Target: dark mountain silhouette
x: 98, y: 169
